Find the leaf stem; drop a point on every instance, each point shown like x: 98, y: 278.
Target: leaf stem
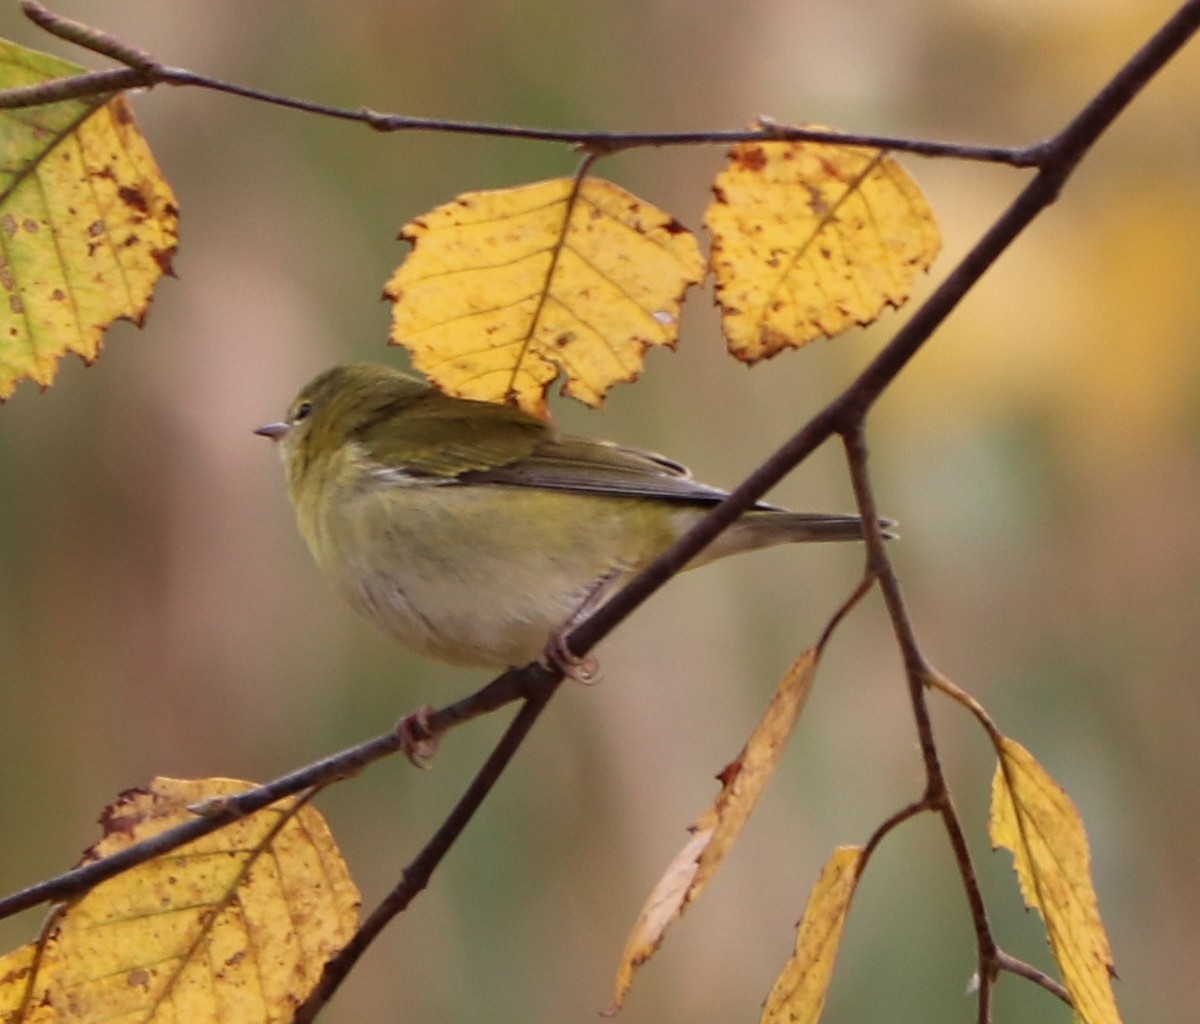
x: 1011, y: 964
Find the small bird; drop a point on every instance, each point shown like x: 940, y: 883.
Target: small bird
x: 474, y: 533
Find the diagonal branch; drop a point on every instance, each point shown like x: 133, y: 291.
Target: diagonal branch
x: 532, y: 683
x: 416, y: 876
x: 1062, y: 154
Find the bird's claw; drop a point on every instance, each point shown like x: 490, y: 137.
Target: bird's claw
x: 558, y: 655
x: 417, y: 741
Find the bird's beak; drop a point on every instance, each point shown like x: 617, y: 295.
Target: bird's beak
x: 272, y: 430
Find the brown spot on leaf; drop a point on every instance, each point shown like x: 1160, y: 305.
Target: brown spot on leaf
x: 9, y: 223
x: 114, y: 818
x: 16, y: 304
x: 816, y: 201
x: 163, y: 258
x: 751, y: 157
x: 133, y: 196
x: 96, y: 228
x: 831, y: 169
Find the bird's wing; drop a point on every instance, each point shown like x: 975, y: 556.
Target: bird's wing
x: 598, y: 467
x: 445, y: 444
x: 437, y: 439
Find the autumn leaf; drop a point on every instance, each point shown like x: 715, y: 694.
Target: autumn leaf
x: 87, y: 223
x: 505, y: 290
x: 1033, y: 818
x: 713, y: 834
x: 18, y: 971
x: 798, y: 994
x: 234, y: 926
x: 810, y: 239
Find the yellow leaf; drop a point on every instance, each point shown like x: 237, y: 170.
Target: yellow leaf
x: 798, y: 994
x: 714, y: 832
x: 1032, y: 817
x: 505, y: 290
x: 18, y: 972
x: 810, y: 239
x: 87, y: 223
x: 232, y: 927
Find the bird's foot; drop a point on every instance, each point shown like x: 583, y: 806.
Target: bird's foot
x: 558, y: 655
x: 417, y: 741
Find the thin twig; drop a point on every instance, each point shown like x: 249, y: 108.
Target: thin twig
x: 534, y: 681
x: 1004, y: 962
x: 98, y: 85
x: 145, y: 71
x: 416, y: 876
x: 89, y: 38
x: 937, y: 792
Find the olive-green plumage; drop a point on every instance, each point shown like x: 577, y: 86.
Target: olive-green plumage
x: 471, y: 531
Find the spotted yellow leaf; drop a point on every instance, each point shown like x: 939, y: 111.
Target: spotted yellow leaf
x: 810, y: 239
x: 235, y: 926
x: 87, y: 223
x: 1035, y: 819
x: 713, y: 834
x: 20, y: 972
x: 506, y: 290
x: 798, y: 994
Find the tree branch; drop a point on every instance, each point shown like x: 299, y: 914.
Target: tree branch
x: 533, y: 683
x: 917, y: 671
x: 145, y: 71
x: 1054, y: 159
x: 416, y: 876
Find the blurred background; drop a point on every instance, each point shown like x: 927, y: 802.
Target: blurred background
x: 159, y: 614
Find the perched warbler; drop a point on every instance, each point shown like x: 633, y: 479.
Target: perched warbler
x: 472, y: 532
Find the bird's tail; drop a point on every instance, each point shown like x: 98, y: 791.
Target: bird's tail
x: 762, y: 528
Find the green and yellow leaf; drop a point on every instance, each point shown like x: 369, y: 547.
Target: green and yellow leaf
x: 87, y: 223
x: 1035, y: 819
x: 506, y: 290
x: 810, y: 239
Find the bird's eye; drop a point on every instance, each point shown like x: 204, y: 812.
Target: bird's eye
x: 302, y: 411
